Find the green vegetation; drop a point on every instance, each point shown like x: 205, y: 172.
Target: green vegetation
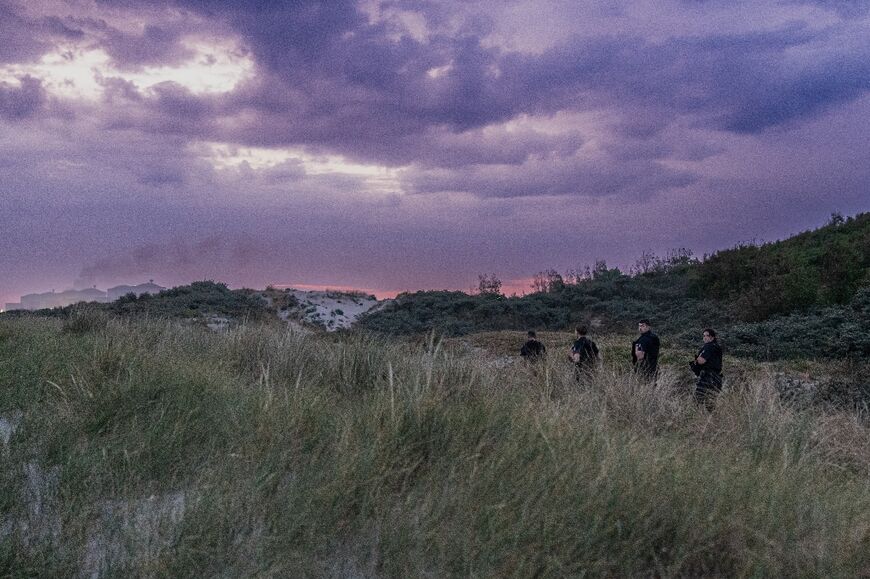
x: 198, y: 298
x: 306, y: 455
x: 817, y: 268
x: 201, y: 298
x: 803, y: 297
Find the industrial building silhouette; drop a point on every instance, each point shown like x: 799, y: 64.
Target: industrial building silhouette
x: 54, y: 299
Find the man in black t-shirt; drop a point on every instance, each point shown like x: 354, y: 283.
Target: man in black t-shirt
x: 584, y: 353
x: 707, y: 366
x: 645, y: 352
x: 533, y: 350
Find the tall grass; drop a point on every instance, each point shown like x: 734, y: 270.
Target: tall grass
x: 360, y: 456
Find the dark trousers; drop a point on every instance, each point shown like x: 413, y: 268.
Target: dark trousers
x: 708, y: 388
x: 582, y: 372
x: 647, y: 372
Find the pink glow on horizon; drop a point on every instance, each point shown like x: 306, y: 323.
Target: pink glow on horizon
x: 381, y: 294
x: 519, y: 287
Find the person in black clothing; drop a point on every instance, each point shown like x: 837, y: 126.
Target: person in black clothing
x: 533, y: 350
x: 645, y: 352
x: 707, y: 366
x: 584, y: 354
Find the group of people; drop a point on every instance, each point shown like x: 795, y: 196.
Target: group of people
x: 706, y: 365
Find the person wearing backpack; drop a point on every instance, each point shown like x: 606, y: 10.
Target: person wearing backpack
x: 584, y: 354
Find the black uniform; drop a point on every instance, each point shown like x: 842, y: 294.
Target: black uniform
x: 588, y: 351
x: 649, y: 344
x: 709, y: 373
x: 533, y: 350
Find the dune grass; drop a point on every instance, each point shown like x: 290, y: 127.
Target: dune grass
x: 356, y: 455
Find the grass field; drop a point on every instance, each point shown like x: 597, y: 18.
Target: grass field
x: 154, y: 448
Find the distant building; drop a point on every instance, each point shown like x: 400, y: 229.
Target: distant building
x: 143, y: 288
x: 61, y: 299
x: 40, y: 301
x: 85, y: 295
x: 54, y: 299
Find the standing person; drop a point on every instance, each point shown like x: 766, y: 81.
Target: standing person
x: 584, y: 353
x: 533, y: 350
x: 645, y: 352
x: 707, y: 366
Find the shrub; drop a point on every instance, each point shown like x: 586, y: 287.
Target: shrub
x: 83, y: 318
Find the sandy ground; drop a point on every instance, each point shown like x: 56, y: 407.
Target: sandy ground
x: 331, y: 310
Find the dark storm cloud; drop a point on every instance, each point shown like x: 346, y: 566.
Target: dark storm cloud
x: 738, y: 82
x: 23, y: 101
x: 744, y: 81
x: 20, y: 36
x: 339, y: 66
x: 331, y: 81
x: 331, y: 78
x: 283, y: 35
x: 440, y: 147
x: 155, y: 45
x: 845, y: 8
x: 806, y: 94
x: 629, y: 180
x: 61, y: 28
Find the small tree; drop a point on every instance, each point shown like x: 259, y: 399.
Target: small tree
x: 488, y: 284
x: 680, y: 256
x: 547, y: 281
x: 647, y: 263
x: 600, y: 272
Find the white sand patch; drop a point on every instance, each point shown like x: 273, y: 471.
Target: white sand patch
x: 303, y: 310
x: 293, y: 325
x: 218, y: 323
x: 41, y: 522
x: 133, y: 532
x: 8, y: 425
x: 330, y: 310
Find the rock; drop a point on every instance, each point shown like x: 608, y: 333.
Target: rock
x: 217, y: 323
x: 837, y: 391
x: 133, y: 532
x: 8, y: 425
x: 796, y: 390
x: 41, y: 523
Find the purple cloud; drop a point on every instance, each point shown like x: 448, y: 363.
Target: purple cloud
x: 20, y: 43
x: 351, y: 88
x: 155, y: 45
x: 21, y: 102
x: 845, y: 8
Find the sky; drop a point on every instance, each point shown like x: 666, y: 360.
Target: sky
x: 398, y: 145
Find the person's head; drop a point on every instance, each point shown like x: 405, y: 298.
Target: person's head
x: 644, y: 326
x: 709, y: 335
x: 531, y: 334
x: 581, y: 330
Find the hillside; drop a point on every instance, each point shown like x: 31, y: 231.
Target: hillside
x: 805, y: 296
x: 214, y: 305
x: 824, y: 267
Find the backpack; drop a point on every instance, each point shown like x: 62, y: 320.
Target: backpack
x: 532, y: 349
